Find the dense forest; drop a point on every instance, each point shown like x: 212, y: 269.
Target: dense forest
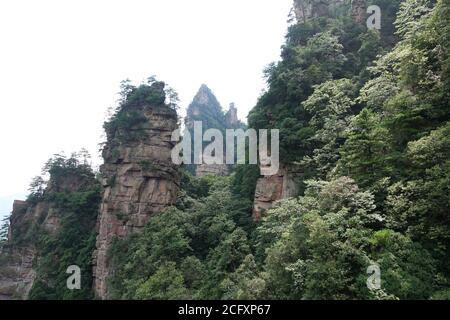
x: 363, y: 114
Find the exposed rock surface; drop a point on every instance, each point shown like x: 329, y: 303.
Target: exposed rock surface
x: 359, y: 8
x: 139, y: 180
x: 16, y: 272
x: 270, y: 189
x: 305, y: 9
x: 16, y: 260
x: 231, y: 116
x: 19, y: 257
x: 220, y: 170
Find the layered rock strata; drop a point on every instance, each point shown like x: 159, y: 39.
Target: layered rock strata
x: 270, y: 189
x: 139, y: 180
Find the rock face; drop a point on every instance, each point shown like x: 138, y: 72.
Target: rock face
x: 231, y: 117
x: 305, y: 9
x: 16, y: 260
x: 359, y: 8
x: 19, y: 257
x: 17, y: 275
x: 270, y: 189
x: 139, y: 180
x: 220, y: 170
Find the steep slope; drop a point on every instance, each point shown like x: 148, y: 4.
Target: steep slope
x: 51, y: 231
x: 138, y: 176
x: 16, y: 262
x: 364, y: 115
x: 326, y: 52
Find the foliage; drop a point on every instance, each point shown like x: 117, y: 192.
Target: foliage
x: 322, y: 244
x: 331, y: 108
x: 384, y: 124
x: 207, y: 238
x: 36, y: 189
x: 363, y: 113
x: 363, y: 154
x: 73, y: 242
x: 244, y: 181
x: 128, y: 116
x: 4, y: 227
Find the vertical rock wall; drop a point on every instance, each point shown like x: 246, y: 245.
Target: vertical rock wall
x: 16, y: 260
x: 270, y: 189
x: 359, y: 8
x: 305, y: 9
x: 139, y: 180
x: 20, y: 256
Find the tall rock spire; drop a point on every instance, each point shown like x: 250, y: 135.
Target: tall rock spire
x: 139, y: 178
x: 205, y: 108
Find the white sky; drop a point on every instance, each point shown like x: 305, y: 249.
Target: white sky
x: 61, y: 63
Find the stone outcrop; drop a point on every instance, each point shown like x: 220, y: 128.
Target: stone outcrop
x: 231, y: 117
x: 220, y: 170
x: 359, y: 8
x: 20, y: 255
x: 270, y: 189
x: 306, y: 9
x: 139, y: 180
x: 17, y: 274
x: 16, y: 259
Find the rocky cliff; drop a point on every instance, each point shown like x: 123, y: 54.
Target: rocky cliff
x: 270, y: 189
x: 31, y: 222
x: 359, y: 10
x: 138, y: 176
x: 16, y: 259
x: 306, y: 9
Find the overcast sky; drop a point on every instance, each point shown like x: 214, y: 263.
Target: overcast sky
x: 61, y: 63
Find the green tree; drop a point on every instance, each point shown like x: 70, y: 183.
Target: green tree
x: 364, y: 154
x: 36, y: 189
x: 167, y: 283
x: 4, y: 227
x: 331, y: 108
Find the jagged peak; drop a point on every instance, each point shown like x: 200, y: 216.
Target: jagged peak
x: 204, y: 101
x: 204, y: 96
